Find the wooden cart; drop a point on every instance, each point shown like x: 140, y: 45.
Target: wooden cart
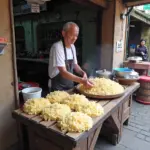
x: 36, y: 134
x: 143, y: 66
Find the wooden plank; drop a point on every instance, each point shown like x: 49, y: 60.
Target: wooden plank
x: 47, y: 123
x: 143, y: 65
x: 92, y: 141
x: 116, y: 120
x: 126, y: 114
x: 102, y: 3
x: 14, y: 61
x: 136, y: 3
x: 20, y: 136
x: 18, y: 111
x: 103, y: 102
x: 86, y: 3
x: 56, y: 129
x: 37, y: 119
x: 52, y: 137
x: 74, y: 135
x: 91, y: 136
x: 81, y: 146
x: 21, y: 113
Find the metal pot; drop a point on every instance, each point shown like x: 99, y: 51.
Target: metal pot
x: 104, y: 74
x: 135, y: 59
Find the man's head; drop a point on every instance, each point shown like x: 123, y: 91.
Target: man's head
x: 70, y: 32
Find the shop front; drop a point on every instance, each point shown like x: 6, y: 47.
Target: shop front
x: 101, y: 42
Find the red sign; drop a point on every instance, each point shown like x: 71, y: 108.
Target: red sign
x: 3, y: 40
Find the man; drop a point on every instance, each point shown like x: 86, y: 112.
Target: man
x: 63, y: 60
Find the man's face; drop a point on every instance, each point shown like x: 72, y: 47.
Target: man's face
x: 71, y: 35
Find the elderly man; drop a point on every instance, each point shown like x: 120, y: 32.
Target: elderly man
x: 63, y: 60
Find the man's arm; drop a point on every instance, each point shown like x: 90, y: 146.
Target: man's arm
x: 137, y: 51
x: 146, y: 50
x: 78, y: 70
x: 64, y: 73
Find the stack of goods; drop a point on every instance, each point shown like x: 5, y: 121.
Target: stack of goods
x: 72, y: 112
x: 92, y: 109
x: 57, y: 96
x: 35, y: 106
x: 55, y: 112
x: 126, y: 76
x: 74, y: 100
x: 76, y: 122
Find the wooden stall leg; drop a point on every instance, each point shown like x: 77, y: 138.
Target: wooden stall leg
x: 22, y: 136
x: 113, y: 126
x: 126, y: 122
x: 90, y: 142
x: 93, y: 138
x: 127, y: 110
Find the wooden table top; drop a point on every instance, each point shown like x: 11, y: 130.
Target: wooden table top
x: 50, y: 126
x: 139, y: 65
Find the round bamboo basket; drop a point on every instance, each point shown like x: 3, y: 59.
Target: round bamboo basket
x: 99, y: 97
x: 124, y: 81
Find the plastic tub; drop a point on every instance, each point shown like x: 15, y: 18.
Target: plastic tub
x: 32, y: 92
x: 122, y: 72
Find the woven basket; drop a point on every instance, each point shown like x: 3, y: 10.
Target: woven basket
x: 145, y: 85
x: 124, y: 81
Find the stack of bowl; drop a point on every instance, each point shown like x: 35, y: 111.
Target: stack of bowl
x: 126, y: 76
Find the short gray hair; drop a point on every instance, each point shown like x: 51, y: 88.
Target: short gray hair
x: 68, y: 24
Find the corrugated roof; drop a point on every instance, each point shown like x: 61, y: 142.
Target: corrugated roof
x: 140, y: 15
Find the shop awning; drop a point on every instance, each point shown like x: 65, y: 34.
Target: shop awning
x: 130, y: 3
x: 141, y: 16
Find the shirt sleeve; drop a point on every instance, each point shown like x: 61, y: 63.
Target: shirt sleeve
x: 58, y: 56
x: 137, y: 51
x: 75, y: 55
x: 146, y: 50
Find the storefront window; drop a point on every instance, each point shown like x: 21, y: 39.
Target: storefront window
x: 20, y: 39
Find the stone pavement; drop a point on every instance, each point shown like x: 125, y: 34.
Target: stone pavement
x: 136, y: 136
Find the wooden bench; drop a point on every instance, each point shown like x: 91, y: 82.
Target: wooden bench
x: 36, y: 134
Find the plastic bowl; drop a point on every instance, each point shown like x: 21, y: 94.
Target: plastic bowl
x: 122, y: 72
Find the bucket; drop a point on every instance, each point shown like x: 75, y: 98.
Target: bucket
x: 31, y: 92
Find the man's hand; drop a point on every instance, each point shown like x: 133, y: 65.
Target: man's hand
x: 87, y: 83
x: 142, y: 53
x: 75, y: 78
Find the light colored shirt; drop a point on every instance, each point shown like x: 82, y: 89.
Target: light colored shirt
x: 57, y: 58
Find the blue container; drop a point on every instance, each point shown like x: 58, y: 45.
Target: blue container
x: 122, y: 72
